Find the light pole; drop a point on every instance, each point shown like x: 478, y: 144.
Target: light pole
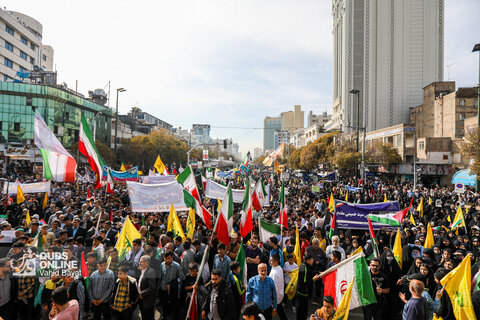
x: 95, y: 125
x: 357, y: 93
x: 116, y: 123
x: 475, y: 49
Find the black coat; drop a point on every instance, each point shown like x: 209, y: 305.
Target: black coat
x: 225, y: 301
x: 132, y: 291
x: 81, y: 232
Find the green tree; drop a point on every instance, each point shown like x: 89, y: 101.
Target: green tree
x: 470, y: 149
x: 347, y: 160
x: 294, y: 160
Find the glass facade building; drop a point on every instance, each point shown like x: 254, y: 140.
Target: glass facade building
x: 60, y: 109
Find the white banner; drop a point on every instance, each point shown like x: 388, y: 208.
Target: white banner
x: 27, y: 187
x: 215, y: 190
x: 156, y: 197
x: 158, y: 179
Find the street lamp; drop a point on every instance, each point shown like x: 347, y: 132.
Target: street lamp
x: 357, y: 93
x: 475, y: 49
x: 116, y: 123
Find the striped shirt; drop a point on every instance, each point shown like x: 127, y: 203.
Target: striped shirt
x: 169, y: 273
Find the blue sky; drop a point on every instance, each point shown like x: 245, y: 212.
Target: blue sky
x: 222, y: 62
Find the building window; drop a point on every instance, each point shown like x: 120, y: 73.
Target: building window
x: 29, y: 101
x: 44, y: 58
x: 1, y: 125
x: 67, y: 115
x: 76, y: 134
x: 8, y: 63
x: 21, y: 69
x: 475, y: 103
x: 445, y: 157
x: 16, y: 126
x: 23, y: 40
x: 461, y: 116
x: 55, y: 129
x: 32, y: 61
x: 8, y: 46
x: 69, y: 132
x: 23, y: 55
x: 32, y: 46
x: 9, y: 29
x: 462, y: 102
x: 421, y: 145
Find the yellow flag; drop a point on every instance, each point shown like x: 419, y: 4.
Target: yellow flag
x: 219, y: 204
x: 28, y: 219
x: 159, y: 165
x: 297, y: 247
x: 459, y: 220
x: 331, y: 203
x: 45, y: 201
x: 412, y: 220
x: 429, y: 242
x: 191, y: 223
x: 458, y: 286
x: 358, y: 250
x: 341, y: 192
x: 140, y: 172
x: 430, y: 201
x: 174, y: 224
x: 420, y: 208
x: 385, y: 197
x: 344, y: 306
x: 448, y: 219
x: 346, y: 196
x: 291, y: 288
x: 397, y: 248
x: 122, y: 168
x: 20, y: 195
x: 125, y: 238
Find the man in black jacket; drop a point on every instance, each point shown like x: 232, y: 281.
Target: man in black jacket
x: 123, y: 307
x: 147, y: 288
x: 304, y: 285
x: 219, y: 304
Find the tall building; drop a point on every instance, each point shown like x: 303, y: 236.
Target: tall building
x: 292, y: 120
x: 280, y: 137
x: 389, y: 51
x: 319, y: 119
x: 270, y: 125
x: 21, y: 47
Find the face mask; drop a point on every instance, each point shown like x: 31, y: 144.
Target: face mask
x: 390, y: 259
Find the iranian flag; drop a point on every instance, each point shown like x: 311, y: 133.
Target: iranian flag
x: 337, y: 278
x: 246, y: 223
x: 392, y: 219
x: 224, y: 224
x: 109, y: 181
x: 241, y: 259
x: 259, y: 196
x: 192, y: 196
x: 86, y: 146
x: 58, y: 164
x: 268, y: 230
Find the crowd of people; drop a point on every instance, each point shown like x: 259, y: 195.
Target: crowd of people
x: 159, y: 274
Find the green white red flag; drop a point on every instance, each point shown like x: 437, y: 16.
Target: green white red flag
x: 86, y: 146
x: 224, y: 224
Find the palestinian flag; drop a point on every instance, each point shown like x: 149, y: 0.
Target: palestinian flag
x: 243, y: 265
x: 84, y: 271
x: 333, y: 226
x: 268, y: 230
x: 259, y: 196
x: 374, y: 240
x: 392, y: 219
x: 337, y: 278
x: 224, y: 224
x: 86, y: 146
x: 58, y: 164
x: 191, y: 196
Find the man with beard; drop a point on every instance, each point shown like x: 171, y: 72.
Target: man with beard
x: 381, y: 287
x: 253, y: 254
x: 171, y: 274
x: 219, y: 304
x: 261, y: 290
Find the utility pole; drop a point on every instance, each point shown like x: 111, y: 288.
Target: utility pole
x: 357, y: 93
x: 116, y: 123
x: 475, y: 49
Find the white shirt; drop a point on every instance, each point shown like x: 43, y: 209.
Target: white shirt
x: 277, y: 275
x: 288, y: 267
x: 140, y: 280
x: 330, y: 249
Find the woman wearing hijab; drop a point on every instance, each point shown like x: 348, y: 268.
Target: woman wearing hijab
x: 389, y: 266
